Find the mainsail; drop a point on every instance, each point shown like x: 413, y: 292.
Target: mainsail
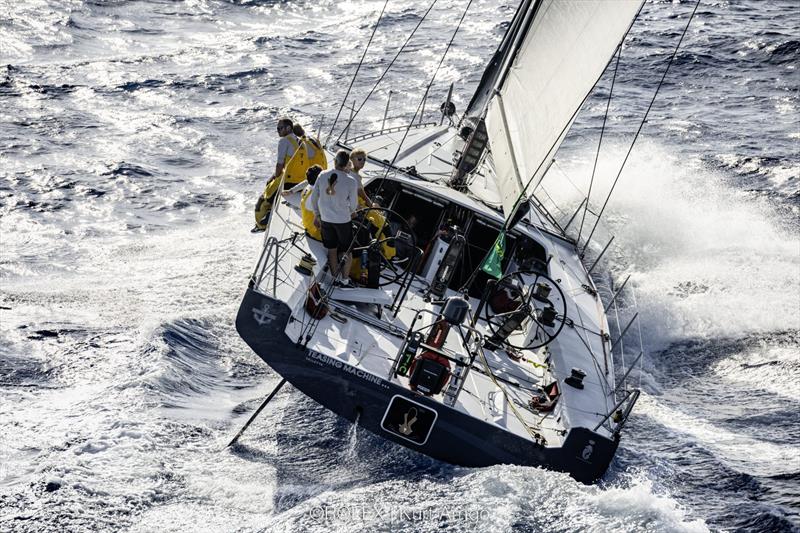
x: 553, y: 55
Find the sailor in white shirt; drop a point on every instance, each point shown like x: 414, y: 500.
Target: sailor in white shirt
x: 334, y: 201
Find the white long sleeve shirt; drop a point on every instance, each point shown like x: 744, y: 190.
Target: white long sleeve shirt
x: 337, y: 207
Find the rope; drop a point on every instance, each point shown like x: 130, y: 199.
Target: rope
x: 352, y: 81
x: 400, y: 51
x: 641, y: 125
x: 534, y: 434
x: 599, y: 143
x: 329, y: 290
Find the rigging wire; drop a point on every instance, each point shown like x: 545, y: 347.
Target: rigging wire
x: 353, y: 79
x: 641, y: 342
x: 425, y: 95
x: 400, y: 51
x: 619, y: 334
x: 566, y: 177
x: 326, y: 294
x: 444, y: 54
x: 641, y: 125
x: 599, y: 143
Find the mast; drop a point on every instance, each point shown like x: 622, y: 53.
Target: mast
x: 494, y: 71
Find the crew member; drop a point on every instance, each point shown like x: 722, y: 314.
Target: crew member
x: 316, y: 155
x: 307, y: 215
x: 288, y: 145
x: 358, y: 158
x: 334, y: 200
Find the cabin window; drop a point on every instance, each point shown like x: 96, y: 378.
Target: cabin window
x: 430, y: 217
x: 481, y: 236
x: 422, y: 214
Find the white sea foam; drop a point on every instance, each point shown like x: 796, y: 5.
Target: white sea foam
x: 496, y: 499
x: 738, y: 451
x: 763, y: 367
x: 707, y: 260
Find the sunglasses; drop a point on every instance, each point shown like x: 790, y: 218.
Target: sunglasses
x: 359, y: 158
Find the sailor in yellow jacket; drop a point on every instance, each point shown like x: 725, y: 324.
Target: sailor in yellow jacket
x: 306, y: 213
x: 295, y: 156
x: 314, y: 151
x: 287, y: 147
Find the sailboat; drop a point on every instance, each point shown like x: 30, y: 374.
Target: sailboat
x: 475, y: 335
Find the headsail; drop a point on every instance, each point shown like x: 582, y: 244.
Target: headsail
x: 559, y: 51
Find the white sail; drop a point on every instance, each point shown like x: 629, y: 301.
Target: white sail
x: 559, y: 58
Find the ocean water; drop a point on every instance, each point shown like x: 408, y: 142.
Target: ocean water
x: 134, y: 136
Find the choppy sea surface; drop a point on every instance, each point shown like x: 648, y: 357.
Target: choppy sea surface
x: 134, y: 136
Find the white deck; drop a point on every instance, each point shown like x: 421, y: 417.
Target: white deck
x: 373, y: 345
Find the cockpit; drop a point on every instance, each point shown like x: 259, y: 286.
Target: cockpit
x: 436, y: 225
x: 434, y: 281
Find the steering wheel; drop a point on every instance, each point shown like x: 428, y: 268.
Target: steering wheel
x: 539, y: 304
x: 392, y: 270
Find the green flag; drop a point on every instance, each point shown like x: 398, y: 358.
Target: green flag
x: 493, y: 264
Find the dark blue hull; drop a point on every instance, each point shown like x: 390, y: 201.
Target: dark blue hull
x: 441, y: 432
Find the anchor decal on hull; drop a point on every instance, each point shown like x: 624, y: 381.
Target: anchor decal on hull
x: 264, y: 315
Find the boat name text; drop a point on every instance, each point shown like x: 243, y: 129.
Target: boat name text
x: 318, y: 358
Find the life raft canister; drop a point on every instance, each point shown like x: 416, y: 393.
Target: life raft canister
x: 435, y: 365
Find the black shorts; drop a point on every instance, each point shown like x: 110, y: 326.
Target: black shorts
x: 337, y: 236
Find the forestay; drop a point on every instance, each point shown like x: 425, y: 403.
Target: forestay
x: 561, y: 53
